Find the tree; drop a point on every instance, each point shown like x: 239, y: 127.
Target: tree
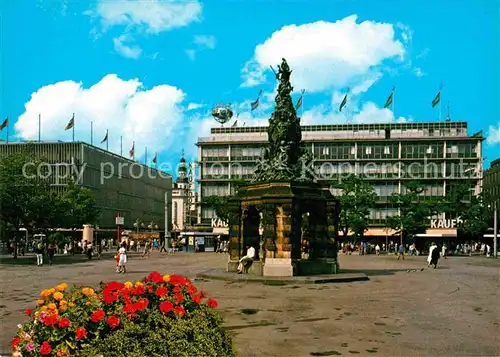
x: 81, y: 206
x: 413, y: 211
x: 219, y: 204
x: 356, y: 200
x: 22, y: 192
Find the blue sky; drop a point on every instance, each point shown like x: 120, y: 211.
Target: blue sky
x: 150, y: 71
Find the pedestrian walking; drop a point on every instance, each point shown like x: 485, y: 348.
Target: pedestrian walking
x: 401, y: 251
x: 39, y: 254
x: 122, y: 260
x: 51, y: 252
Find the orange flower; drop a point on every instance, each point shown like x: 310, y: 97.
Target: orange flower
x: 43, y: 308
x: 52, y: 306
x: 71, y: 304
x: 58, y: 295
x: 40, y: 302
x: 139, y: 283
x: 62, y: 353
x: 51, y: 291
x: 61, y: 287
x: 63, y: 302
x: 45, y: 294
x: 166, y: 278
x: 63, y: 308
x: 88, y: 291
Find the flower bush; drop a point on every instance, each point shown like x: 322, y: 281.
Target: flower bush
x: 157, y: 316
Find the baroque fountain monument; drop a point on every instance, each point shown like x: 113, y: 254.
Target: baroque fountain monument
x: 284, y: 209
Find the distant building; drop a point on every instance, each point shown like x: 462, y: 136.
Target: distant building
x: 121, y: 186
x: 184, y: 198
x: 491, y: 184
x: 438, y: 154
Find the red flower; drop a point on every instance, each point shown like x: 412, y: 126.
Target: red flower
x: 150, y: 288
x: 161, y: 291
x: 178, y: 298
x: 15, y: 341
x: 176, y: 289
x: 113, y: 286
x: 50, y: 320
x: 97, y: 316
x: 80, y: 333
x: 179, y: 310
x: 129, y: 308
x: 141, y: 304
x: 28, y: 311
x: 138, y: 290
x: 196, y: 298
x: 110, y: 298
x: 45, y: 348
x: 166, y: 306
x: 64, y: 322
x: 155, y: 277
x: 192, y: 289
x: 212, y: 303
x: 113, y: 321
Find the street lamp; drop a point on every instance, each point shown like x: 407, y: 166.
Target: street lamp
x: 136, y: 224
x: 495, y: 228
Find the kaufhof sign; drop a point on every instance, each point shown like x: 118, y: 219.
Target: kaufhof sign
x: 445, y: 223
x: 218, y: 223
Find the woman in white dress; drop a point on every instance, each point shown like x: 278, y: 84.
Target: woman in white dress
x: 429, y: 258
x: 123, y: 258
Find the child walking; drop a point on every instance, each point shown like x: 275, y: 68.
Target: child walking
x: 122, y: 258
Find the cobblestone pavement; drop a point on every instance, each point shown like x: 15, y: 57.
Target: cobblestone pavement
x: 451, y: 311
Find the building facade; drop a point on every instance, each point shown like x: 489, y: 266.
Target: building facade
x: 438, y: 154
x: 491, y: 184
x: 121, y: 186
x: 184, y: 198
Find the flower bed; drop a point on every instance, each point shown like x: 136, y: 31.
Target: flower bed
x: 157, y: 316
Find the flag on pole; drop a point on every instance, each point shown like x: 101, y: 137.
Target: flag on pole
x: 155, y: 158
x: 389, y: 100
x: 255, y: 105
x: 235, y: 124
x: 301, y: 99
x: 105, y: 138
x: 437, y: 98
x: 5, y: 123
x: 71, y: 123
x: 132, y: 151
x: 344, y: 101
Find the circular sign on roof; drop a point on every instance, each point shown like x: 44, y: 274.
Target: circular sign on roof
x: 222, y: 113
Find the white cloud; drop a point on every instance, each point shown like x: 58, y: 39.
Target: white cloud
x: 330, y: 54
x: 424, y: 53
x: 150, y: 117
x: 195, y: 106
x: 133, y: 51
x: 205, y: 41
x: 152, y: 16
x: 493, y: 135
x: 418, y: 72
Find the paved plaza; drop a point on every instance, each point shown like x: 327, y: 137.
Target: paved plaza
x: 451, y: 311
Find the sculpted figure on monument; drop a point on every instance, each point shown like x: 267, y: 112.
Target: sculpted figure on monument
x: 282, y: 160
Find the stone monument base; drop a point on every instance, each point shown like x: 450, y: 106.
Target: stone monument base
x: 316, y: 267
x: 255, y: 269
x: 278, y: 267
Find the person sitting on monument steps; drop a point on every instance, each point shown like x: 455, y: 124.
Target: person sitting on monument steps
x: 247, y: 260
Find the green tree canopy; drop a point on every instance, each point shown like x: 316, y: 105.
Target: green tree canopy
x: 357, y: 197
x: 413, y: 211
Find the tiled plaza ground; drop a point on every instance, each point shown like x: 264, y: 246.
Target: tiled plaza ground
x: 451, y: 311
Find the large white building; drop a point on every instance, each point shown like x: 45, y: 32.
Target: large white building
x: 439, y: 154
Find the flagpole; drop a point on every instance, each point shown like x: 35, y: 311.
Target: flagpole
x: 39, y: 127
x: 440, y: 103
x: 107, y: 140
x: 303, y: 95
x: 91, y: 132
x: 73, y: 127
x: 133, y: 153
x: 121, y: 145
x: 146, y: 157
x: 7, y: 140
x: 393, y: 102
